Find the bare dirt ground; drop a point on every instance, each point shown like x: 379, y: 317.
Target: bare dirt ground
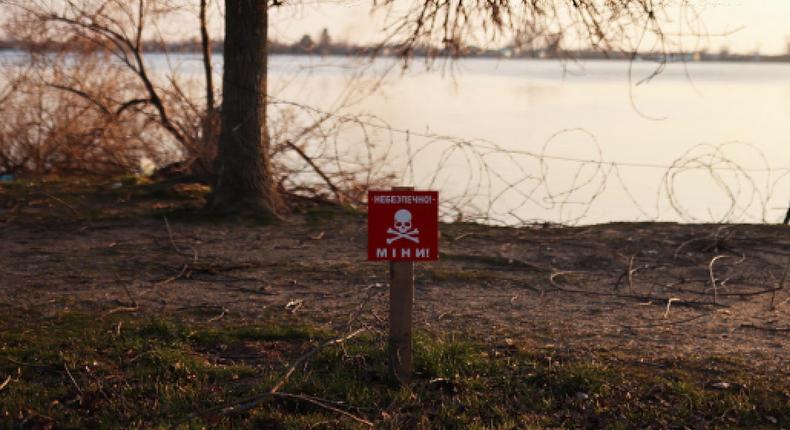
x: 643, y: 290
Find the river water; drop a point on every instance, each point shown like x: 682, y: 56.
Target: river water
x: 567, y: 142
x: 697, y: 142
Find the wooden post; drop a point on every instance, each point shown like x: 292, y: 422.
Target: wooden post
x: 401, y: 304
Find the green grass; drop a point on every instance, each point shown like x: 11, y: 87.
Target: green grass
x: 142, y: 372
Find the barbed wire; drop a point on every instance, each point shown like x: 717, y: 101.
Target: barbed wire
x: 487, y: 182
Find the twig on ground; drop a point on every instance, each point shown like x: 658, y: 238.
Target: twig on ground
x: 443, y: 314
x: 558, y: 287
x: 371, y: 291
x: 616, y: 285
x: 294, y: 305
x: 173, y: 243
x: 71, y: 377
x: 218, y: 317
x: 121, y: 309
x: 5, y: 383
x: 782, y: 281
x: 129, y: 295
x: 461, y: 236
x: 133, y: 303
x: 554, y: 275
x: 669, y: 305
x: 682, y: 245
x: 324, y: 405
x: 713, y: 277
x: 170, y: 235
x: 173, y: 278
x: 717, y: 239
x: 64, y: 203
x: 629, y: 273
x: 253, y: 402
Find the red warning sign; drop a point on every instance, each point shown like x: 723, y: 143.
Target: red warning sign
x: 403, y: 225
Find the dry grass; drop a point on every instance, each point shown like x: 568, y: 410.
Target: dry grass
x: 60, y: 116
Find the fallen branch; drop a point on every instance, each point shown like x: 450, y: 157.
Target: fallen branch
x: 64, y: 203
x: 5, y: 383
x: 321, y: 404
x: 643, y: 298
x: 121, y: 309
x: 255, y: 401
x: 133, y: 308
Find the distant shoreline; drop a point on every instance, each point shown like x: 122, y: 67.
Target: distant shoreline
x: 342, y: 50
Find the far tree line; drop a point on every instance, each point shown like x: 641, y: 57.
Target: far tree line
x: 323, y: 44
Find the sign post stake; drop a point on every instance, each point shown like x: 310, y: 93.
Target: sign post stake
x: 401, y: 303
x: 400, y: 317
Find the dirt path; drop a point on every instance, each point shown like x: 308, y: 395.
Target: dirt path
x: 560, y: 287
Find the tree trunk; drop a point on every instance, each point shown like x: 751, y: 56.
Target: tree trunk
x: 244, y: 180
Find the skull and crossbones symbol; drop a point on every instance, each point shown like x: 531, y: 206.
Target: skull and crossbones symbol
x: 402, y: 230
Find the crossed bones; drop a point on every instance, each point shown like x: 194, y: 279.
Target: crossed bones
x: 409, y: 235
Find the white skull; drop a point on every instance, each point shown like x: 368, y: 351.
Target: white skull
x: 403, y: 220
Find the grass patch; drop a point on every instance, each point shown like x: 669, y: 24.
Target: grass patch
x: 76, y: 371
x: 198, y: 215
x: 327, y: 213
x: 213, y: 336
x: 91, y: 199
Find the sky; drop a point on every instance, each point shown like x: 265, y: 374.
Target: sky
x: 764, y: 24
x: 743, y: 26
x: 761, y: 24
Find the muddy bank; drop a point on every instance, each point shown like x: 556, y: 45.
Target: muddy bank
x: 654, y: 291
